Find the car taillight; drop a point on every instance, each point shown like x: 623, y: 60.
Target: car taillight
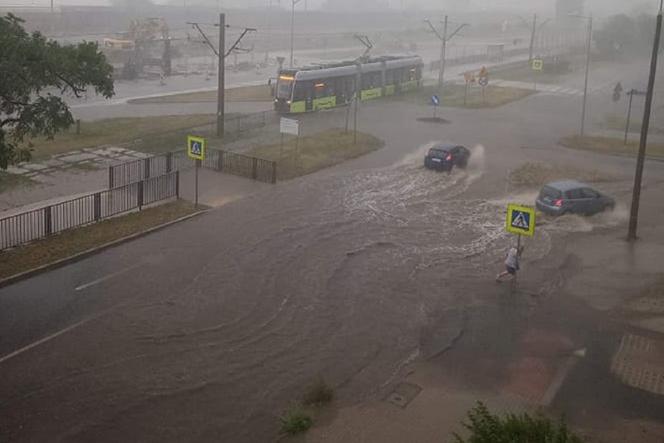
x: 449, y: 157
x: 558, y: 202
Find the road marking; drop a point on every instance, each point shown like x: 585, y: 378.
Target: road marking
x: 57, y: 334
x: 107, y: 277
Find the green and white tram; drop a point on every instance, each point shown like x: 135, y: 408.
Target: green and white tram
x: 327, y: 86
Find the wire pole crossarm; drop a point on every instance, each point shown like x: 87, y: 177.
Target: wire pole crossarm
x: 205, y: 37
x: 456, y: 31
x: 434, y: 30
x: 237, y: 42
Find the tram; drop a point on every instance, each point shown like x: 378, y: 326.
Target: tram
x: 327, y: 86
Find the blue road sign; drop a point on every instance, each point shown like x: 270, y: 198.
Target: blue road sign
x: 435, y: 100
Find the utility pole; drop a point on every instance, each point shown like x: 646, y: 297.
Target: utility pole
x: 221, y: 54
x: 292, y: 29
x: 221, y: 77
x: 533, y: 33
x: 532, y: 39
x: 443, y: 53
x: 444, y: 38
x: 585, y: 84
x: 638, y: 177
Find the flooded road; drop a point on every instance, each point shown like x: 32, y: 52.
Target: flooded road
x: 344, y: 276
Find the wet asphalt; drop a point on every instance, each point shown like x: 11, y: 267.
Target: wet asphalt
x: 209, y: 329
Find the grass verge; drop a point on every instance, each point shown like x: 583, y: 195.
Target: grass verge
x: 155, y: 132
x: 74, y: 241
x: 299, y: 417
x: 524, y: 73
x: 456, y: 96
x: 610, y: 145
x: 10, y: 181
x: 259, y: 93
x: 618, y: 123
x: 315, y: 152
x: 537, y: 174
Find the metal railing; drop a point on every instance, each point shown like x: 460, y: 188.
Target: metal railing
x: 223, y: 161
x: 39, y: 223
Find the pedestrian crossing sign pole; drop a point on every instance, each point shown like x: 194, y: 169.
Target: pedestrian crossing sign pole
x: 520, y: 221
x: 196, y: 151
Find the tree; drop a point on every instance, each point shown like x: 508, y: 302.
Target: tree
x: 36, y: 74
x: 625, y: 35
x: 485, y: 427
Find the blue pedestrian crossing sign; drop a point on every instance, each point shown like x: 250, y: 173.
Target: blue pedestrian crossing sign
x: 435, y: 100
x: 520, y: 220
x: 196, y: 147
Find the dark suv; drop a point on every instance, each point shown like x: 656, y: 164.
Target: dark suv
x: 572, y: 197
x: 445, y: 157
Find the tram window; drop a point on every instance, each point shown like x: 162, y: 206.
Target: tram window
x: 371, y: 80
x: 389, y: 77
x: 302, y: 91
x: 323, y: 88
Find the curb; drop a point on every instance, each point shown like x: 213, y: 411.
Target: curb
x: 87, y: 253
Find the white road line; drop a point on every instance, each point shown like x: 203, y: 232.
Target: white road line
x: 107, y: 277
x: 57, y: 334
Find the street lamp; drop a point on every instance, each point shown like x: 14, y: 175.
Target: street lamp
x: 444, y: 38
x: 292, y: 28
x: 585, y: 87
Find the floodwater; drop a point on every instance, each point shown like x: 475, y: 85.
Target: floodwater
x: 346, y: 276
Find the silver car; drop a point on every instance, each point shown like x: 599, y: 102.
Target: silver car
x: 572, y: 197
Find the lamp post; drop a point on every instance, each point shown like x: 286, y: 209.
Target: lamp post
x: 585, y: 86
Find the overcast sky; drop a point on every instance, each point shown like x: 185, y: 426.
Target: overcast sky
x: 598, y: 7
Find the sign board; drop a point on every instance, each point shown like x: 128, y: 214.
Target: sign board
x: 484, y: 81
x: 435, y: 101
x: 196, y: 147
x: 520, y: 220
x: 289, y: 126
x: 538, y: 64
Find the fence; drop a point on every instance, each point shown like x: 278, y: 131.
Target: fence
x: 39, y: 223
x: 216, y: 159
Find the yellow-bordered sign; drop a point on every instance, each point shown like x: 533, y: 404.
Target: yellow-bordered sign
x: 196, y: 147
x: 520, y: 220
x: 538, y: 64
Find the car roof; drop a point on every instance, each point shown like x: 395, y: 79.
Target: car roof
x: 566, y: 185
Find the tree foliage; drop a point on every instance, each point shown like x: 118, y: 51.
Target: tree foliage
x: 626, y: 35
x: 485, y: 427
x: 35, y: 75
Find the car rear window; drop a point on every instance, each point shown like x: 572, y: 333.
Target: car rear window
x: 550, y: 192
x: 438, y: 153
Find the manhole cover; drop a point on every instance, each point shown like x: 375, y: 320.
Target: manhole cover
x: 403, y: 394
x: 639, y: 362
